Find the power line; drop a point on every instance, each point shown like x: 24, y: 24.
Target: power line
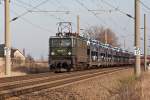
x: 34, y: 25
x: 43, y: 2
x: 39, y: 10
x: 22, y: 2
x: 114, y: 9
x: 46, y: 11
x: 102, y: 10
x: 60, y: 4
x: 144, y: 5
x: 90, y: 11
x: 43, y: 11
x: 117, y: 9
x: 21, y: 5
x: 72, y: 13
x: 124, y: 28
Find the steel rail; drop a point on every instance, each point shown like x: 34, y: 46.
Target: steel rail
x: 56, y: 82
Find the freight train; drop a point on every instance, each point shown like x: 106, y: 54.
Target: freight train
x: 71, y: 52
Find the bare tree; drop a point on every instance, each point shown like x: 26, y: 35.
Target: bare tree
x: 29, y: 58
x: 99, y: 33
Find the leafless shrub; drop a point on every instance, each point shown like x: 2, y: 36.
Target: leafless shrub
x: 99, y: 33
x: 37, y: 68
x: 31, y: 68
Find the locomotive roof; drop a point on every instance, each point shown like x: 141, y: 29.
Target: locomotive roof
x: 62, y: 37
x: 92, y: 41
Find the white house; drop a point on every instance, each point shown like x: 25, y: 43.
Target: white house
x: 16, y: 57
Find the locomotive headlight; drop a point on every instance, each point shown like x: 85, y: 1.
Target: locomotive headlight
x: 52, y: 53
x: 69, y: 53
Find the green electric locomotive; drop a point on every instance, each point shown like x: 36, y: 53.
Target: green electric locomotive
x: 72, y: 52
x: 66, y: 52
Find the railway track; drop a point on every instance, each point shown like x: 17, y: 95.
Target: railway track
x: 21, y: 85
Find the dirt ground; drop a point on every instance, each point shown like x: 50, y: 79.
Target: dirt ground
x: 14, y: 73
x: 19, y: 70
x: 100, y: 88
x: 146, y: 86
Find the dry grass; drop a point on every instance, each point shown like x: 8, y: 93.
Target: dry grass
x: 101, y: 88
x: 118, y: 86
x: 146, y: 86
x: 129, y: 89
x: 31, y: 68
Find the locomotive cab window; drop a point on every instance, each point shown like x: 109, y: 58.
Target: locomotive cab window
x: 61, y: 42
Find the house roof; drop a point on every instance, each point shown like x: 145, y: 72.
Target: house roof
x: 12, y: 51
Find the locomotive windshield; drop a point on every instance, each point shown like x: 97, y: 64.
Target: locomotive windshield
x: 60, y: 42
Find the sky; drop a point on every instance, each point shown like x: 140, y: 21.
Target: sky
x: 32, y: 30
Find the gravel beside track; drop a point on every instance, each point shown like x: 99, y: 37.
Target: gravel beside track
x: 33, y: 76
x: 99, y: 88
x: 52, y: 82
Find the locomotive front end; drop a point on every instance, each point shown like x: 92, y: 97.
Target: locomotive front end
x: 60, y: 53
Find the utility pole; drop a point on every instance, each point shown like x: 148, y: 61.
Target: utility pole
x: 7, y: 48
x: 78, y: 24
x: 124, y: 43
x: 105, y: 36
x: 137, y: 39
x: 145, y: 43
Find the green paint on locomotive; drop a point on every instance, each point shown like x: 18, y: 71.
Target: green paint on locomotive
x: 61, y: 51
x: 61, y: 46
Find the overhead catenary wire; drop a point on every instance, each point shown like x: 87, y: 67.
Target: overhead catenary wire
x: 110, y: 10
x: 117, y: 9
x: 33, y: 24
x: 43, y: 2
x: 39, y: 10
x: 114, y: 9
x: 90, y: 11
x: 121, y: 12
x: 52, y: 11
x: 87, y: 9
x: 43, y: 11
x: 147, y: 7
x: 72, y: 13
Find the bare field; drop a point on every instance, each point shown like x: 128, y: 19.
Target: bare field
x: 28, y: 68
x: 102, y: 88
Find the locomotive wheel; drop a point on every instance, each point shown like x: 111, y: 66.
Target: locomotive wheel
x: 68, y: 70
